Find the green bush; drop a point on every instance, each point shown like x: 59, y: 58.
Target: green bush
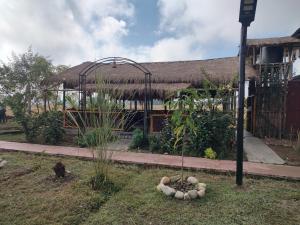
x: 138, y: 140
x: 91, y: 138
x: 209, y: 153
x: 215, y: 130
x: 52, y: 128
x: 154, y: 143
x: 212, y: 130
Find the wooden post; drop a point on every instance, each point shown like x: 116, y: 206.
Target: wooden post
x: 253, y: 55
x: 64, y: 95
x: 260, y: 59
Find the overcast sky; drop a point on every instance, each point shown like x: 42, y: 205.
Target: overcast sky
x: 72, y: 31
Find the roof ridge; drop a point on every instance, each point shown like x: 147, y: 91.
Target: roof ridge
x: 184, y: 61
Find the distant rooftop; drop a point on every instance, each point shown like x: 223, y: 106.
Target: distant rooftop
x: 294, y: 39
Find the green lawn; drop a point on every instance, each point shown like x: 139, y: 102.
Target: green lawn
x: 29, y: 195
x: 19, y: 137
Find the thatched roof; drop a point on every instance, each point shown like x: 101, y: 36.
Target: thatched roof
x: 193, y: 72
x: 273, y: 41
x: 136, y: 91
x: 296, y: 34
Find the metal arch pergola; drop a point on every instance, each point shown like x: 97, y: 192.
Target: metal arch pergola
x: 116, y: 61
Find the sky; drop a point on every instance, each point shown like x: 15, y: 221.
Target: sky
x: 73, y: 31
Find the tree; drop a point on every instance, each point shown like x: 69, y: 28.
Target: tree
x: 25, y: 74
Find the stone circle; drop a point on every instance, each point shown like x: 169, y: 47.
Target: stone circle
x: 197, y: 192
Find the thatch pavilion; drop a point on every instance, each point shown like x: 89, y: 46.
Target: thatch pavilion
x: 167, y: 80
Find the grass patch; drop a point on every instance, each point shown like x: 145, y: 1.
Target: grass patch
x: 18, y: 137
x: 33, y: 198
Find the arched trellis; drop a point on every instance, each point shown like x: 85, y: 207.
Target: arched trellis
x: 114, y: 61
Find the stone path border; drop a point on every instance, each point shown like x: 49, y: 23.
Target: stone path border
x: 219, y: 166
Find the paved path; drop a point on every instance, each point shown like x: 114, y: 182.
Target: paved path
x: 224, y: 166
x: 257, y: 151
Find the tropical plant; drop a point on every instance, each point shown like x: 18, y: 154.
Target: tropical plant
x: 104, y: 115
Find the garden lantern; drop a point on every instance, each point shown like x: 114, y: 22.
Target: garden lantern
x: 247, y: 15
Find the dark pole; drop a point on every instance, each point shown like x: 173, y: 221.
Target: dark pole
x: 240, y: 121
x: 145, y: 106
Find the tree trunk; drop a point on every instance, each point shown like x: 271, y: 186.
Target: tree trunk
x: 28, y: 98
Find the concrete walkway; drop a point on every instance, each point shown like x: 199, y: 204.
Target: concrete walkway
x: 223, y: 166
x: 257, y: 151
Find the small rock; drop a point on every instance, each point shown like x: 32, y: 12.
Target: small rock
x: 179, y: 195
x: 193, y: 194
x: 165, y: 180
x: 2, y: 163
x: 200, y: 186
x: 158, y: 187
x: 168, y: 191
x: 201, y: 193
x: 68, y: 171
x: 186, y: 196
x: 192, y: 180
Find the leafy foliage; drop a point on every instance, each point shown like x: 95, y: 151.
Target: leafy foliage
x: 25, y: 74
x: 138, y: 140
x: 90, y: 138
x: 52, y: 127
x: 154, y: 143
x: 44, y: 128
x: 213, y: 129
x: 209, y: 153
x: 31, y: 124
x: 200, y: 120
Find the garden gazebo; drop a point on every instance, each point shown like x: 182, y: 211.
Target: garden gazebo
x: 149, y: 84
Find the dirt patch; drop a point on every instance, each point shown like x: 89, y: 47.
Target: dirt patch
x: 20, y: 172
x: 52, y: 179
x: 289, y: 154
x: 185, y: 187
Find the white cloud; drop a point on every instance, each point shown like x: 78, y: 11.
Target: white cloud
x: 174, y: 49
x: 209, y: 22
x: 67, y: 31
x: 73, y: 31
x: 110, y: 30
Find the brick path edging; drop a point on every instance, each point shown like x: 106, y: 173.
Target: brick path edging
x: 170, y: 161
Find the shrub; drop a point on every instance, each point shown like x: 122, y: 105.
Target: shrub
x: 138, y: 140
x: 52, y: 128
x: 212, y: 130
x: 209, y: 153
x: 215, y: 130
x: 91, y: 138
x: 167, y: 139
x: 154, y: 143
